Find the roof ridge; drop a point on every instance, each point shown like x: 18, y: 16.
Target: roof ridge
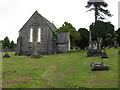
x: 46, y: 20
x: 48, y: 23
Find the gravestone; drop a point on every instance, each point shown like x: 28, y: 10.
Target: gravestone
x: 6, y: 54
x: 93, y: 49
x: 115, y: 44
x: 100, y: 44
x: 95, y: 66
x: 104, y: 54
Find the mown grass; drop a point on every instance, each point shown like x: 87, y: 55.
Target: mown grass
x: 67, y: 70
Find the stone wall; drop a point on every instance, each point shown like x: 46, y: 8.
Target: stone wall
x: 48, y: 44
x: 26, y: 47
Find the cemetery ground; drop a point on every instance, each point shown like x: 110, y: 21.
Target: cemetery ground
x: 68, y: 70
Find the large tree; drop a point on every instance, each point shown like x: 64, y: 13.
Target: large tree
x: 12, y: 45
x: 1, y: 42
x: 84, y: 34
x: 74, y: 35
x: 98, y: 8
x: 6, y: 42
x: 105, y: 30
x: 117, y: 35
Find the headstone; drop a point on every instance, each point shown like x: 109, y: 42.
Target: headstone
x: 100, y: 44
x: 98, y: 66
x: 115, y: 44
x: 104, y: 54
x: 93, y: 49
x: 6, y: 54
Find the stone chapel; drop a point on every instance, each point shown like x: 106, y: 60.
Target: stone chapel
x: 38, y: 35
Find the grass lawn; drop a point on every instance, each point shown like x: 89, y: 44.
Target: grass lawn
x: 67, y: 70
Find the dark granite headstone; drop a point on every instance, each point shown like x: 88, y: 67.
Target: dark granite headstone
x: 6, y: 54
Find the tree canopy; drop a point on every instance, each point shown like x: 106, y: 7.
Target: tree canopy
x: 74, y: 35
x: 105, y: 30
x: 98, y: 7
x: 12, y: 44
x: 6, y: 42
x: 117, y: 35
x: 84, y: 33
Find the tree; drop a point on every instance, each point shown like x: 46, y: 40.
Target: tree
x: 6, y: 42
x: 117, y: 34
x: 74, y: 35
x: 1, y: 46
x: 98, y: 8
x: 83, y: 42
x: 12, y: 44
x: 109, y: 39
x: 103, y: 30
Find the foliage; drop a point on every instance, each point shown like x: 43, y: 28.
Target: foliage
x: 98, y: 7
x: 6, y: 42
x: 1, y: 44
x: 74, y: 35
x: 83, y: 42
x: 109, y: 38
x: 66, y: 27
x: 105, y: 30
x: 66, y: 70
x: 12, y: 44
x: 117, y: 35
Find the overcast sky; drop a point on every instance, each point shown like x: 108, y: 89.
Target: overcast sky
x: 15, y: 13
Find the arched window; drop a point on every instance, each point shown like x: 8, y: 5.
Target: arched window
x: 31, y: 35
x: 39, y: 34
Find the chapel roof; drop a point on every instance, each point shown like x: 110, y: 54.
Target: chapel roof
x: 48, y: 23
x: 63, y: 37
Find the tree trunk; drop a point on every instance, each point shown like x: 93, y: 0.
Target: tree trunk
x: 96, y: 13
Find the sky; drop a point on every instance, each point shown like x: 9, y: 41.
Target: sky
x: 15, y: 13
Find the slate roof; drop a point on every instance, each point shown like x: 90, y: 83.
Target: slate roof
x: 51, y: 25
x: 62, y: 38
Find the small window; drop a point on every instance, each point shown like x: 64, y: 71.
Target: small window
x: 31, y: 35
x: 39, y: 34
